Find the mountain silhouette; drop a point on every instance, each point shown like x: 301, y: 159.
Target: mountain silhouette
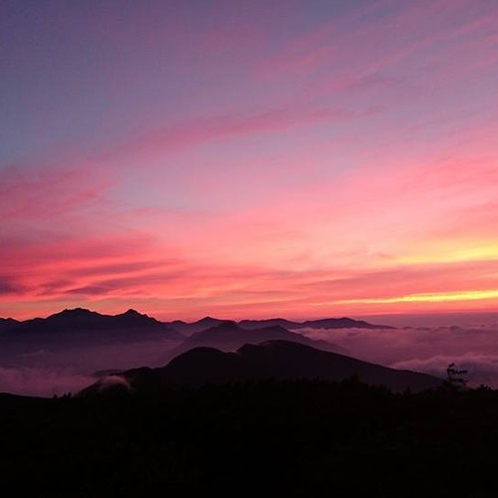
x: 7, y: 324
x: 287, y: 360
x: 269, y: 322
x: 83, y: 320
x: 325, y: 323
x: 86, y: 340
x: 229, y: 336
x: 278, y: 359
x: 194, y: 327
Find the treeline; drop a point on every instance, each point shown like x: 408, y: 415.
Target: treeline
x: 294, y: 438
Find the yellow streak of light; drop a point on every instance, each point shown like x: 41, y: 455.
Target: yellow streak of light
x: 426, y: 298
x: 449, y: 255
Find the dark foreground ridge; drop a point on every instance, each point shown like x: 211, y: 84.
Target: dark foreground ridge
x: 280, y: 438
x: 284, y: 360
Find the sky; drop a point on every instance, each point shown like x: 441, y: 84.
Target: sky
x: 298, y: 158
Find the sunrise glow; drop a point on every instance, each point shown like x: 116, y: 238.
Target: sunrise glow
x: 429, y: 298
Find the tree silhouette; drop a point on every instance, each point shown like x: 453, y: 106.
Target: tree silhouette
x: 455, y: 377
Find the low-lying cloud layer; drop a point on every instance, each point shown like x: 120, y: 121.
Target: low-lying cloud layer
x: 481, y: 369
x: 60, y: 368
x: 45, y: 382
x: 425, y: 349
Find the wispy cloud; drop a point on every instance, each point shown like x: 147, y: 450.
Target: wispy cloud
x: 425, y: 349
x: 41, y: 382
x: 312, y: 159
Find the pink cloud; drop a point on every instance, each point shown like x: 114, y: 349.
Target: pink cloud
x: 29, y: 193
x: 357, y: 182
x: 242, y: 260
x: 400, y: 56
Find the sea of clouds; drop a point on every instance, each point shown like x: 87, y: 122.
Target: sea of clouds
x: 62, y: 369
x: 430, y: 349
x: 425, y: 349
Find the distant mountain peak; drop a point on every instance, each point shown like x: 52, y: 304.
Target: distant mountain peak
x: 208, y: 319
x: 73, y: 312
x: 132, y: 312
x: 82, y: 320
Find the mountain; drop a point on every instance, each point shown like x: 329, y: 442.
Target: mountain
x: 325, y: 323
x: 228, y: 336
x: 271, y: 359
x: 287, y: 360
x: 87, y: 341
x: 194, y: 327
x: 7, y: 324
x: 269, y: 322
x: 342, y: 323
x: 83, y: 320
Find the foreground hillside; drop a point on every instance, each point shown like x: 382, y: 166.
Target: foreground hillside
x: 292, y: 438
x: 282, y: 360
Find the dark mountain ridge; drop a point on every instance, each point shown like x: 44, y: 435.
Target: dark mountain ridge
x: 79, y: 319
x: 283, y: 360
x: 229, y: 336
x: 325, y: 323
x: 84, y: 319
x: 89, y: 341
x: 194, y: 327
x: 7, y: 324
x: 86, y: 341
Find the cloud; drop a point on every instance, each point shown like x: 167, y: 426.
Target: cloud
x: 318, y: 201
x: 190, y: 287
x: 382, y: 35
x: 425, y: 349
x: 70, y: 363
x: 481, y: 369
x: 110, y: 381
x: 42, y: 382
x: 9, y: 286
x: 34, y: 191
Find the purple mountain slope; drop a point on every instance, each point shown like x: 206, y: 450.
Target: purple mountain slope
x: 325, y: 323
x: 271, y: 359
x: 229, y: 336
x: 7, y: 324
x: 83, y: 320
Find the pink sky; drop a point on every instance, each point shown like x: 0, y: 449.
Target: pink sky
x: 304, y: 159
